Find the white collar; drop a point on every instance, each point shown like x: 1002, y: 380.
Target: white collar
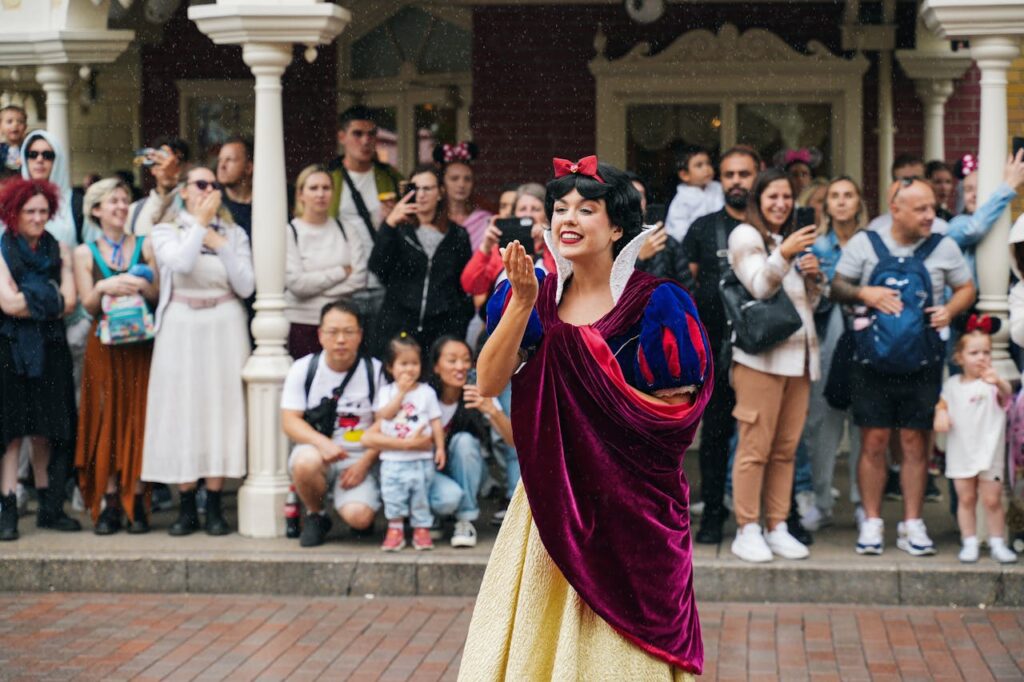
x: 622, y: 268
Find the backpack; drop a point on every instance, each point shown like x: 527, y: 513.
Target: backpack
x: 902, y: 343
x: 124, y: 319
x: 1015, y: 438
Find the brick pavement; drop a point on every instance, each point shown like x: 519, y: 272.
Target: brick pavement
x: 194, y: 637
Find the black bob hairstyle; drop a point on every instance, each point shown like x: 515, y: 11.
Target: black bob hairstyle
x: 622, y: 201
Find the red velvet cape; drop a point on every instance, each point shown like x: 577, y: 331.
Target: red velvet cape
x: 602, y: 468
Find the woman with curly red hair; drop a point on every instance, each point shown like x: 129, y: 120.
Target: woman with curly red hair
x: 37, y: 396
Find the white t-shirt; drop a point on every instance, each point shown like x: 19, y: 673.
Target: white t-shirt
x: 366, y: 183
x: 355, y: 413
x: 419, y: 407
x: 448, y: 411
x: 977, y: 440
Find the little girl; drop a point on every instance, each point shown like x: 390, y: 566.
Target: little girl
x: 972, y: 410
x: 409, y: 415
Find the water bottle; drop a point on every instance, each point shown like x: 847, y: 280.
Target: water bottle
x: 291, y: 513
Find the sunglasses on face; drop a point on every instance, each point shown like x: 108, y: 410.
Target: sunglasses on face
x: 35, y: 154
x: 203, y: 185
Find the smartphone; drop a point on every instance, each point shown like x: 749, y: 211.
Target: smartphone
x: 513, y: 229
x: 655, y: 214
x: 471, y: 377
x: 1018, y: 144
x: 805, y: 216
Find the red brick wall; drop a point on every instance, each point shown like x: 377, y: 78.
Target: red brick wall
x: 310, y: 90
x: 533, y: 96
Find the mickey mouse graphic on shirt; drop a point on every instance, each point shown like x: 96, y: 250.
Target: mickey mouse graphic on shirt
x: 406, y: 422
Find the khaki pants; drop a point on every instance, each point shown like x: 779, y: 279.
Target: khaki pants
x: 770, y: 413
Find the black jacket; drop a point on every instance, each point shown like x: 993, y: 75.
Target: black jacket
x: 421, y: 292
x: 669, y: 263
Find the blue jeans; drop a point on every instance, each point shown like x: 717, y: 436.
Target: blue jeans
x: 465, y: 468
x: 404, y: 487
x: 508, y: 450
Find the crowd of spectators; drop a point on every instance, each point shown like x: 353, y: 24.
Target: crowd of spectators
x: 124, y: 330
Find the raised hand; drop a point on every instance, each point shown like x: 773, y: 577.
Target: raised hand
x: 521, y: 277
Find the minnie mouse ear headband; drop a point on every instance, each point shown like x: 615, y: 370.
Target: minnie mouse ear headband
x: 587, y: 166
x: 967, y: 164
x: 463, y: 152
x: 787, y: 157
x: 983, y: 323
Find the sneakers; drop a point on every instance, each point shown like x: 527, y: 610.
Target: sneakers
x: 969, y: 552
x: 870, y: 539
x: 811, y: 518
x: 912, y: 538
x: 750, y: 544
x: 859, y: 515
x: 394, y: 540
x: 464, y: 535
x: 1000, y: 552
x: 420, y: 539
x: 696, y: 509
x: 782, y: 544
x: 314, y: 530
x: 931, y: 491
x: 437, y: 529
x: 893, y: 491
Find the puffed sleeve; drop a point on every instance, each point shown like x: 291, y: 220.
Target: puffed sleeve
x: 673, y: 355
x: 499, y: 302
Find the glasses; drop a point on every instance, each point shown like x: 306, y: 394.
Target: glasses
x: 34, y: 154
x: 904, y: 183
x: 203, y: 185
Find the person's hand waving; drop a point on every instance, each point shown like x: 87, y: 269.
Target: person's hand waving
x: 521, y: 276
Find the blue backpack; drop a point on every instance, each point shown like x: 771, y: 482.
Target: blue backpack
x: 903, y: 343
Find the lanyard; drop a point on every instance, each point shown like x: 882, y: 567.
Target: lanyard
x: 116, y: 251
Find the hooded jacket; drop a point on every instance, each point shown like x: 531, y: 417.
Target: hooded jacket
x: 61, y: 225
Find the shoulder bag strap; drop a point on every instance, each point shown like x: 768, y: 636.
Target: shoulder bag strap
x: 881, y: 250
x: 295, y: 232
x: 368, y: 363
x: 722, y: 242
x: 336, y: 393
x: 342, y: 228
x: 104, y: 268
x: 135, y: 214
x: 922, y: 252
x: 364, y: 213
x: 311, y: 372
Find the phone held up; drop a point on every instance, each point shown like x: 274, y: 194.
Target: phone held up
x: 513, y: 229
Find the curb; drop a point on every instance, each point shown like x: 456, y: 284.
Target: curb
x: 304, y: 575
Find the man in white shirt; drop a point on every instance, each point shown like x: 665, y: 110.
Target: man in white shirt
x: 375, y: 186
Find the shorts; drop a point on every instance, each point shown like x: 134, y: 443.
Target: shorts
x: 895, y: 401
x: 367, y: 492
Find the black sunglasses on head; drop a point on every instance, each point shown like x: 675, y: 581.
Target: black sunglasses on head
x: 202, y: 185
x: 904, y: 183
x: 49, y: 155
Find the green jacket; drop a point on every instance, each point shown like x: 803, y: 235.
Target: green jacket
x: 386, y: 176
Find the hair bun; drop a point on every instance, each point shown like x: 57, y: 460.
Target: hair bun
x: 463, y: 152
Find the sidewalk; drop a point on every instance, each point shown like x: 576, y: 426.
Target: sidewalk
x: 186, y: 637
x: 45, y: 560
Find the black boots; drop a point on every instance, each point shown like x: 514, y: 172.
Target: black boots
x: 139, y: 524
x: 8, y: 517
x: 188, y: 517
x: 795, y: 527
x: 51, y: 512
x: 215, y: 523
x: 109, y: 521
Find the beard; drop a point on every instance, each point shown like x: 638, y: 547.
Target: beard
x: 737, y: 198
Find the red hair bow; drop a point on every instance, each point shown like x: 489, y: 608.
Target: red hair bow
x: 586, y: 166
x: 983, y: 323
x: 801, y: 155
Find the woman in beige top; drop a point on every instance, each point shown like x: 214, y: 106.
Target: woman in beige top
x: 772, y: 387
x: 323, y: 264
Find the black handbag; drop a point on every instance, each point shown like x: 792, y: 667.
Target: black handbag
x: 755, y: 325
x: 838, y: 385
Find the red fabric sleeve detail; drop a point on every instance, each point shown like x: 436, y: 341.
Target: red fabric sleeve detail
x: 697, y: 340
x: 645, y: 369
x: 549, y: 262
x: 481, y: 271
x: 670, y: 347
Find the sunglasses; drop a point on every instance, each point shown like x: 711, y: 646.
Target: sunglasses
x: 35, y: 154
x: 203, y: 185
x: 904, y: 183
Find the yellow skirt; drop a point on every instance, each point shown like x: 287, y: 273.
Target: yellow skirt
x: 529, y: 624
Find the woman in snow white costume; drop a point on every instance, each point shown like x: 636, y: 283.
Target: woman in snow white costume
x: 591, y: 576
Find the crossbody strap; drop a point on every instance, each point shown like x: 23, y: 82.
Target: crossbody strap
x: 311, y: 371
x: 314, y: 363
x: 364, y: 212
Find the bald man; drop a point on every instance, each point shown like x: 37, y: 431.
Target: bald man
x: 884, y: 402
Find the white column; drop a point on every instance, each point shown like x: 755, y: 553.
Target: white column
x: 55, y: 79
x: 261, y: 498
x: 934, y: 93
x: 993, y: 55
x: 886, y: 130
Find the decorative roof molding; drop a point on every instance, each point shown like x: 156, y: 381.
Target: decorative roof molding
x: 728, y: 51
x: 63, y: 47
x: 959, y: 19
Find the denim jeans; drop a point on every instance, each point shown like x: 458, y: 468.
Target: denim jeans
x: 404, y: 487
x: 466, y: 468
x: 507, y: 450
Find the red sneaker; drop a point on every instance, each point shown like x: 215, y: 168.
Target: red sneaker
x: 421, y: 539
x: 394, y: 541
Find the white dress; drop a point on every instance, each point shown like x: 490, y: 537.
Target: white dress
x: 195, y: 417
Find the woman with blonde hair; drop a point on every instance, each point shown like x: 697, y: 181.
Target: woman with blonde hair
x: 115, y: 376
x: 844, y: 215
x: 195, y: 418
x: 323, y: 264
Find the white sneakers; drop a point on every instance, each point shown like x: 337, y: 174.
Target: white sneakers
x: 870, y: 538
x: 753, y: 546
x: 969, y: 552
x: 1000, y: 553
x: 464, y: 535
x: 912, y: 538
